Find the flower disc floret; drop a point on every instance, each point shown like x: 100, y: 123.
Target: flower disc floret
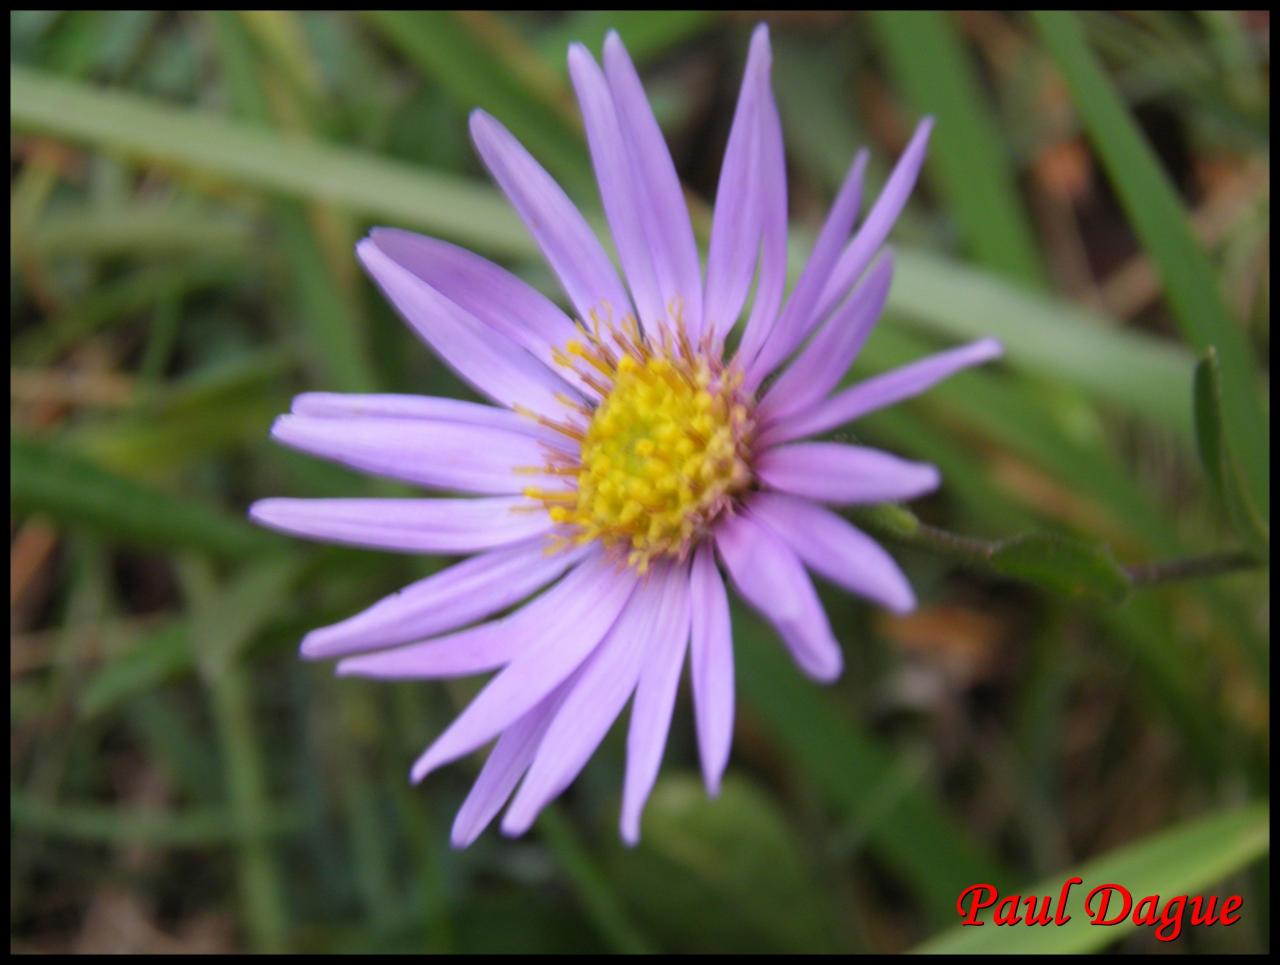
x: 665, y: 450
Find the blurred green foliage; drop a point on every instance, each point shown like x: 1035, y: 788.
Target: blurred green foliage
x: 186, y: 189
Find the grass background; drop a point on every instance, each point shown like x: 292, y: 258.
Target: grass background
x: 185, y: 192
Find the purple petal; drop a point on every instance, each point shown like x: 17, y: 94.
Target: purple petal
x: 407, y: 525
x: 880, y: 220
x: 566, y: 240
x: 834, y: 473
x: 828, y: 544
x: 622, y: 196
x: 799, y: 316
x: 740, y: 195
x: 442, y: 455
x: 489, y: 292
x: 444, y: 601
x: 773, y: 581
x: 772, y: 282
x: 655, y: 699
x: 550, y: 654
x: 675, y: 254
x: 602, y: 687
x: 711, y: 659
x: 494, y: 366
x: 829, y: 354
x: 881, y: 391
x: 341, y: 405
x: 338, y: 405
x: 506, y: 762
x: 478, y: 649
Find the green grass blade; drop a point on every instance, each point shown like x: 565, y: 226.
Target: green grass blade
x: 145, y: 228
x: 139, y: 127
x: 968, y: 157
x: 110, y: 302
x: 648, y: 33
x: 1140, y: 374
x: 224, y: 618
x: 1181, y: 861
x: 52, y: 482
x: 452, y: 55
x: 179, y: 425
x: 194, y: 828
x: 341, y: 355
x: 1157, y: 215
x: 158, y: 657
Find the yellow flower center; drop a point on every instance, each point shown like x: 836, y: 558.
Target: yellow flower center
x: 664, y: 451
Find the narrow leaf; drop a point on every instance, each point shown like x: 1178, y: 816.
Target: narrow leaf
x: 195, y: 828
x: 159, y: 656
x: 440, y: 43
x: 70, y: 490
x: 1064, y: 565
x: 969, y: 159
x: 1157, y: 215
x: 404, y: 194
x: 1217, y: 456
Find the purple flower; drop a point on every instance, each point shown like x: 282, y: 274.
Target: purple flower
x: 625, y: 451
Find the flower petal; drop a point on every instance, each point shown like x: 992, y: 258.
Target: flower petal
x: 831, y: 351
x: 566, y: 240
x: 407, y: 525
x: 711, y: 660
x: 442, y: 455
x: 830, y: 545
x: 655, y: 699
x: 550, y: 654
x: 772, y: 282
x: 492, y: 294
x: 494, y: 366
x: 341, y: 405
x: 620, y: 191
x: 603, y: 685
x: 477, y: 649
x: 879, y: 222
x: 834, y: 473
x: 799, y: 316
x: 675, y: 254
x: 747, y: 188
x: 507, y: 761
x: 880, y: 391
x: 773, y: 581
x: 444, y: 601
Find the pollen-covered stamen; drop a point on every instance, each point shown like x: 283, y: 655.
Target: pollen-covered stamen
x: 665, y: 450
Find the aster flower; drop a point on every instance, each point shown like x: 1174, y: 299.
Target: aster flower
x: 628, y: 449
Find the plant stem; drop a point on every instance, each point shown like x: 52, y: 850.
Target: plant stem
x: 1190, y: 568
x: 899, y: 524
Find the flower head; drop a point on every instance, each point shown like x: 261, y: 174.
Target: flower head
x: 664, y: 452
x: 626, y: 451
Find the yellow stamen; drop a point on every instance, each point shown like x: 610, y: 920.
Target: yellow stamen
x: 666, y: 450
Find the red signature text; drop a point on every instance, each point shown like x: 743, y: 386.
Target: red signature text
x: 1105, y: 904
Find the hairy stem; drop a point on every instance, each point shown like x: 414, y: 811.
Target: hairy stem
x: 901, y: 525
x: 1191, y: 568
